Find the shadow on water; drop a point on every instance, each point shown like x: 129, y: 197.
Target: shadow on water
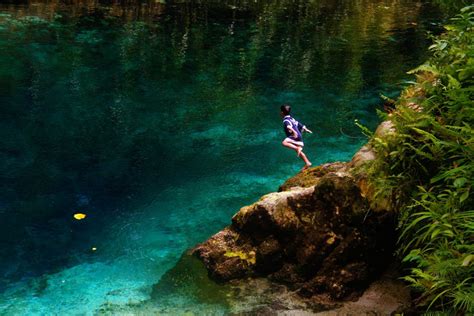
x: 189, y: 279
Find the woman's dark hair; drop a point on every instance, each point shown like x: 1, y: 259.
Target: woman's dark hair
x: 285, y: 109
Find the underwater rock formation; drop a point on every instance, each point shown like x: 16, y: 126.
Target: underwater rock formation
x: 318, y: 234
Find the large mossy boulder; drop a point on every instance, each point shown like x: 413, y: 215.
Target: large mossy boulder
x: 317, y: 235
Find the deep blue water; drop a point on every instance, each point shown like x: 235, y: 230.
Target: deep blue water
x: 159, y: 120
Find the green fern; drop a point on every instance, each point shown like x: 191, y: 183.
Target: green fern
x: 426, y: 169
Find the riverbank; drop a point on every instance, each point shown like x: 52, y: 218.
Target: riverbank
x: 324, y: 234
x: 320, y: 232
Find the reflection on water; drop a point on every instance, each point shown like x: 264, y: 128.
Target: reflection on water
x: 159, y: 119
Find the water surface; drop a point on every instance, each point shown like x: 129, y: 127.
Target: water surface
x: 159, y: 120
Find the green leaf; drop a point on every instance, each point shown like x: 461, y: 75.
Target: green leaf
x: 428, y: 135
x: 450, y: 27
x: 435, y: 233
x: 414, y: 255
x: 467, y: 260
x: 464, y: 196
x: 424, y: 67
x: 468, y: 8
x: 449, y: 173
x: 453, y: 82
x: 459, y: 182
x: 437, y: 297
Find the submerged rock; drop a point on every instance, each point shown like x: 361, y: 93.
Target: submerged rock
x: 318, y: 235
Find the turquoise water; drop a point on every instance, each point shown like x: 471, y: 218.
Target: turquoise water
x: 159, y: 120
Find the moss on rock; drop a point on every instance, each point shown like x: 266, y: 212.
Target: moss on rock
x: 311, y: 176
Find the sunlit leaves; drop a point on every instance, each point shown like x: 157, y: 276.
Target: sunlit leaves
x: 430, y: 164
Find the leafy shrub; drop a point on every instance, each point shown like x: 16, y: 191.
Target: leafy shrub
x: 426, y: 169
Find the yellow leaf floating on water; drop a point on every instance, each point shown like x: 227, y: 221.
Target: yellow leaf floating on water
x: 79, y: 216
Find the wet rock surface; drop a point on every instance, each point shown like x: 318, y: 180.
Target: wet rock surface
x: 318, y: 236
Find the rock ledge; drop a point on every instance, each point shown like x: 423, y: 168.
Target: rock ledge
x: 317, y: 235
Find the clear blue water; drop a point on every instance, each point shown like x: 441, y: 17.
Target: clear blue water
x: 159, y: 120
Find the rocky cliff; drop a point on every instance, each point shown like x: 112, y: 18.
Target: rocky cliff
x: 322, y: 233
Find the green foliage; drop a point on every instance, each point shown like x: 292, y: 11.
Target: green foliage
x: 451, y: 6
x: 365, y: 130
x: 426, y: 168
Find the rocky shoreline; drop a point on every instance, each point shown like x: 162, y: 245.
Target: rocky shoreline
x: 323, y: 235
